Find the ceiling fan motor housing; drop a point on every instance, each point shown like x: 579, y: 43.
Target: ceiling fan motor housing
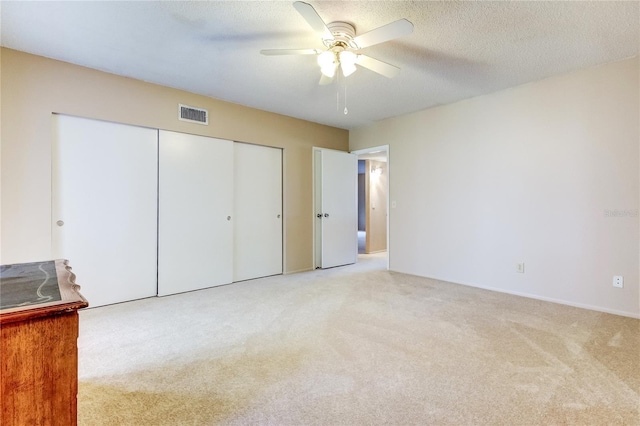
x: 343, y: 34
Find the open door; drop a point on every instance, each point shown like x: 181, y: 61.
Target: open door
x: 336, y: 215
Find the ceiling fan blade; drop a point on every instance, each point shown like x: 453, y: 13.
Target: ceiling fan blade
x: 375, y: 65
x: 393, y: 30
x: 313, y: 19
x: 324, y: 80
x: 273, y: 52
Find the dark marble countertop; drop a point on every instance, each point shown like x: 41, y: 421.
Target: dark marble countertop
x: 26, y: 284
x: 37, y: 289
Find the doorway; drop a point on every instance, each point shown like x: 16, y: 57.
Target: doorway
x: 373, y: 204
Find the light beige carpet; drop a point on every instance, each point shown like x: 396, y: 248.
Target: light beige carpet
x: 356, y: 345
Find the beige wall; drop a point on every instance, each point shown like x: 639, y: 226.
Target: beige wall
x: 376, y: 202
x: 546, y: 174
x: 32, y: 88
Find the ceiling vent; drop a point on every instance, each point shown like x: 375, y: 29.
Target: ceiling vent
x: 193, y: 115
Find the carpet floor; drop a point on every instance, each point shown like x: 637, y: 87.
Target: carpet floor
x: 355, y: 345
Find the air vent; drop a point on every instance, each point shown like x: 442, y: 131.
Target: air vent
x: 194, y: 115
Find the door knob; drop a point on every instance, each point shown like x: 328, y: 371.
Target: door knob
x: 278, y: 216
x: 60, y: 223
x: 326, y: 215
x: 228, y: 217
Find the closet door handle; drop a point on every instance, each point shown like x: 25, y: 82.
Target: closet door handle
x: 326, y: 215
x: 228, y: 217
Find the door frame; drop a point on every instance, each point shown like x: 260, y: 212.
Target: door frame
x: 386, y: 149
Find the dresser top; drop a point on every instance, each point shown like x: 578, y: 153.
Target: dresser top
x: 29, y: 290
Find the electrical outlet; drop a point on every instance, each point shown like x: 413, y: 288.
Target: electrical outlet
x: 520, y: 268
x: 618, y: 281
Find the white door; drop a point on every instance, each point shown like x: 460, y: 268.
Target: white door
x: 104, y: 201
x: 195, y: 204
x: 336, y: 207
x: 257, y: 211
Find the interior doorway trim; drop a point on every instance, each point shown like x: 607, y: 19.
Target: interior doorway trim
x: 375, y: 149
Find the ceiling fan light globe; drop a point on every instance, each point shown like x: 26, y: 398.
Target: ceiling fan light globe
x: 347, y: 68
x: 348, y: 62
x: 348, y: 57
x: 329, y: 70
x: 326, y: 59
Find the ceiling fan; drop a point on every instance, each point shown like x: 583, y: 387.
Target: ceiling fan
x: 342, y: 44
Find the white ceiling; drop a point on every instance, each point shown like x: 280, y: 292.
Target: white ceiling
x: 457, y: 50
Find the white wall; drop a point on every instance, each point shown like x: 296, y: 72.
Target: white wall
x: 528, y: 174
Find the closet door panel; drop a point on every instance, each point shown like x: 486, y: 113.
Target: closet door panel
x: 104, y: 206
x: 258, y: 212
x: 195, y: 217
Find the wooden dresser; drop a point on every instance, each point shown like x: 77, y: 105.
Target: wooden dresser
x: 39, y: 305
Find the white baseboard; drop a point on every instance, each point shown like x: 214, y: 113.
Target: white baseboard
x: 543, y: 298
x: 297, y: 271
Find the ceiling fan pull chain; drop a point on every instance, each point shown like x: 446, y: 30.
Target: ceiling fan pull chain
x: 337, y: 92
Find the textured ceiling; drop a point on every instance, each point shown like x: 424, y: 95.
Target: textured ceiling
x: 457, y: 50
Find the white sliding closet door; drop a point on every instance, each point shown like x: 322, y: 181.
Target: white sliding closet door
x: 258, y: 212
x: 104, y: 201
x: 195, y: 212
